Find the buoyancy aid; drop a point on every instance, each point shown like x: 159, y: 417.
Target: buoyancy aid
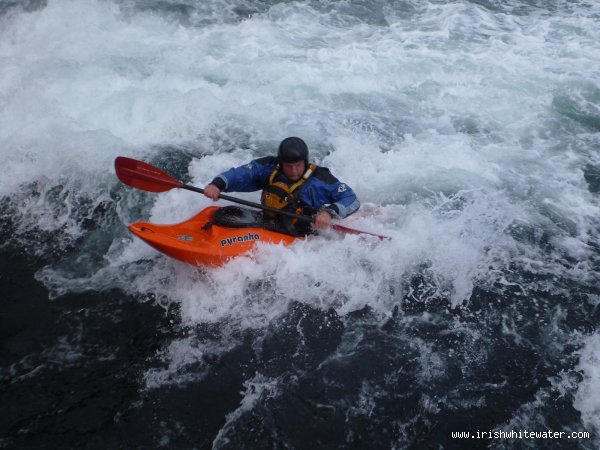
x: 280, y: 195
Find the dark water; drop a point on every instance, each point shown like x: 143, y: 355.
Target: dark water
x: 72, y: 369
x: 72, y: 372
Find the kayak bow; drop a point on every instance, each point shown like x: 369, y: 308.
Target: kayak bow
x: 199, y: 241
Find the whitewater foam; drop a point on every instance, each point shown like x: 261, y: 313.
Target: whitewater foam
x: 587, y: 396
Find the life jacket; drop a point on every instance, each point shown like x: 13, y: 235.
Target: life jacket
x: 280, y: 195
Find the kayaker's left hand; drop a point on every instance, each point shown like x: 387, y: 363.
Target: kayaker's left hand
x: 323, y: 220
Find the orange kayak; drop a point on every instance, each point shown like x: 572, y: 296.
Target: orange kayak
x: 199, y: 241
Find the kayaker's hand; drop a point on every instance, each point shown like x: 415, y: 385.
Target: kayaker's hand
x: 212, y: 192
x: 323, y: 220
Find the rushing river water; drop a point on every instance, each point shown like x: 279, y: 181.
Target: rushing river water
x: 470, y: 131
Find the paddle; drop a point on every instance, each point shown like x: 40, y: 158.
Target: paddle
x: 141, y: 175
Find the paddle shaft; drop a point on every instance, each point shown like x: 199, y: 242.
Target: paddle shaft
x: 279, y: 211
x: 251, y: 204
x: 143, y: 176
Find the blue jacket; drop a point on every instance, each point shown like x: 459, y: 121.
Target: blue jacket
x: 321, y: 191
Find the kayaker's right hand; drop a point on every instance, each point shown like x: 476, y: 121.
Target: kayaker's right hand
x: 212, y: 192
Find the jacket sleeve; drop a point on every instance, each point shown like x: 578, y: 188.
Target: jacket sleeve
x: 328, y: 193
x: 247, y: 178
x: 343, y: 201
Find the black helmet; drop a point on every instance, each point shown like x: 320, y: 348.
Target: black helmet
x: 292, y: 150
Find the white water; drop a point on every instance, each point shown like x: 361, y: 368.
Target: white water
x: 587, y: 400
x: 458, y: 127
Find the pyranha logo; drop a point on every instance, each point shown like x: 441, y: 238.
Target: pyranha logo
x: 342, y: 187
x: 236, y: 239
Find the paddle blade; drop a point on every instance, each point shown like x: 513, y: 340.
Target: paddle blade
x: 347, y: 230
x: 143, y: 176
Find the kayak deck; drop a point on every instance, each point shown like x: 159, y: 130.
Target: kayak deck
x: 198, y: 241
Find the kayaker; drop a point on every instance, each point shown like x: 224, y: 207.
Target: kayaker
x: 289, y: 182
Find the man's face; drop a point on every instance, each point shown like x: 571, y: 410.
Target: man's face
x: 293, y: 170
